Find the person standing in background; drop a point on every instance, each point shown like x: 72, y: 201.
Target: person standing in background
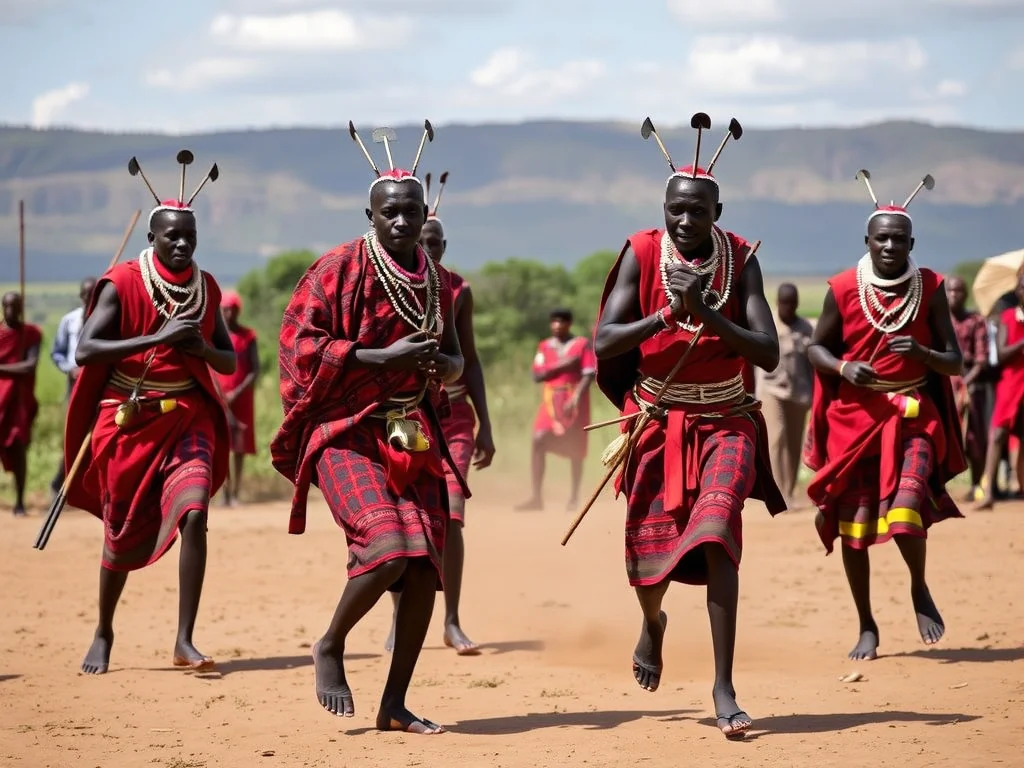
x: 239, y: 393
x: 785, y: 393
x: 63, y: 355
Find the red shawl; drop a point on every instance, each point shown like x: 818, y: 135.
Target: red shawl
x: 849, y: 423
x: 338, y: 306
x: 139, y: 318
x: 18, y: 404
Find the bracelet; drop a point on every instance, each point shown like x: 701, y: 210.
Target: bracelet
x: 663, y: 315
x: 842, y: 365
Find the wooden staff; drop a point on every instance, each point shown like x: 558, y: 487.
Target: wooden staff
x: 124, y: 240
x: 21, y: 254
x: 640, y: 425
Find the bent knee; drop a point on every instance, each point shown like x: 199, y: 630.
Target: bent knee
x: 194, y: 520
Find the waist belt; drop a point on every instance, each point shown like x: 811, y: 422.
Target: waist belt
x: 897, y: 387
x: 403, y: 434
x: 713, y: 393
x: 126, y: 384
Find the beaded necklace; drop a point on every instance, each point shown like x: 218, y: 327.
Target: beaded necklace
x: 401, y: 288
x: 188, y: 300
x: 709, y: 268
x: 894, y: 317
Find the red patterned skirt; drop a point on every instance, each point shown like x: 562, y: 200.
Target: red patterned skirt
x: 861, y: 518
x: 662, y: 545
x: 458, y: 429
x: 137, y: 531
x: 380, y: 525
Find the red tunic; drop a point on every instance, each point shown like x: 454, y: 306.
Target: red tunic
x: 130, y: 478
x: 564, y: 425
x: 693, y: 457
x: 851, y: 425
x: 18, y: 404
x: 339, y: 306
x: 1010, y: 390
x: 243, y: 409
x: 458, y: 426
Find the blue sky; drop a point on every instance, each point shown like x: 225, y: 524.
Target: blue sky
x: 197, y: 65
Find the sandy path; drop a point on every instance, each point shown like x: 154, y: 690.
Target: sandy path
x: 554, y: 683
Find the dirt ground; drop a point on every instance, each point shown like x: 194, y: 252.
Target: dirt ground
x: 553, y: 685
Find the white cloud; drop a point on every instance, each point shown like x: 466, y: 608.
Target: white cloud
x: 311, y: 31
x: 783, y: 65
x: 830, y: 18
x: 204, y: 74
x: 48, y: 107
x: 951, y: 88
x: 512, y: 72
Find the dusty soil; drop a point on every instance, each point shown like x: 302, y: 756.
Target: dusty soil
x: 553, y: 685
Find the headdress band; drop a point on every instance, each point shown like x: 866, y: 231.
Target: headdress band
x: 184, y: 158
x: 700, y: 122
x: 385, y: 136
x: 892, y: 209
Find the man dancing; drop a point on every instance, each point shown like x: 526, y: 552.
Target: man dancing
x: 366, y: 339
x: 565, y: 364
x: 146, y: 401
x: 458, y: 428
x: 240, y: 393
x: 884, y: 437
x: 705, y: 451
x: 19, y: 358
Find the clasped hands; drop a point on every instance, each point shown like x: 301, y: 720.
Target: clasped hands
x: 419, y: 351
x: 684, y: 285
x: 862, y: 374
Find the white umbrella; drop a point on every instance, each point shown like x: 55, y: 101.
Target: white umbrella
x: 997, y: 276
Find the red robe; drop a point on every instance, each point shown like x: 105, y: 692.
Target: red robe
x: 458, y: 425
x: 128, y: 478
x: 665, y: 476
x: 244, y: 408
x: 18, y: 404
x: 1006, y: 414
x: 853, y: 428
x: 339, y: 306
x: 565, y: 426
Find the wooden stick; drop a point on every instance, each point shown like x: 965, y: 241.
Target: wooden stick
x: 124, y: 240
x: 21, y: 255
x: 641, y: 424
x: 61, y: 499
x: 609, y: 422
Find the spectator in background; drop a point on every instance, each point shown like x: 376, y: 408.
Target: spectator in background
x: 63, y: 355
x: 785, y: 393
x: 971, y: 400
x: 239, y: 392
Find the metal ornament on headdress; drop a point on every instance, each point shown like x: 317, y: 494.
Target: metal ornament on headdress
x: 647, y: 130
x: 863, y: 175
x: 928, y: 182
x: 359, y: 141
x: 735, y: 132
x: 440, y: 190
x: 700, y: 122
x: 185, y: 159
x: 385, y: 136
x: 428, y: 135
x: 179, y: 203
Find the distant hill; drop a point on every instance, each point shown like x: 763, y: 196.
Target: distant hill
x: 553, y: 191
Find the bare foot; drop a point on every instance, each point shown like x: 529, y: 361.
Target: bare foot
x: 404, y: 720
x: 332, y: 689
x: 732, y: 721
x: 187, y: 655
x: 985, y: 504
x: 530, y: 505
x: 929, y: 622
x: 866, y: 648
x: 97, y: 658
x: 19, y: 511
x: 647, y: 661
x: 572, y: 505
x: 455, y: 638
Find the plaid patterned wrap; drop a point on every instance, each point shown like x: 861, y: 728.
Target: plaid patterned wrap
x: 137, y: 531
x: 861, y: 518
x: 458, y: 429
x: 380, y: 525
x: 661, y: 544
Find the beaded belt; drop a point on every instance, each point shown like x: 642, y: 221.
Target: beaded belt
x: 126, y: 384
x: 728, y: 391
